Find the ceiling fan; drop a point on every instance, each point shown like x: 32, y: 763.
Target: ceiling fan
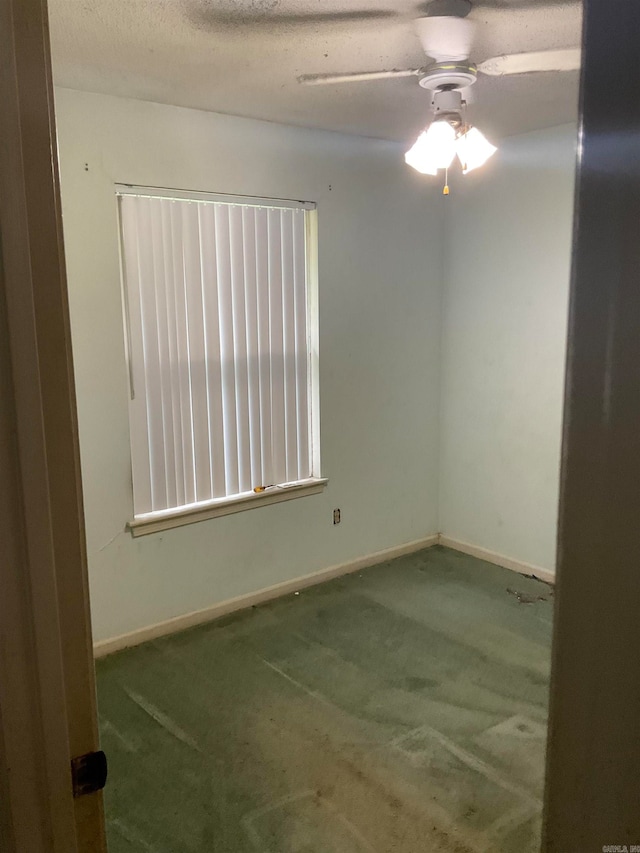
x: 446, y: 35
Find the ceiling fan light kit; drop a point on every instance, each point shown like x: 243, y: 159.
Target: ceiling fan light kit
x: 446, y: 35
x: 437, y: 146
x: 447, y: 136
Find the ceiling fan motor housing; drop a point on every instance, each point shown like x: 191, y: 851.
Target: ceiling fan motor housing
x: 449, y: 76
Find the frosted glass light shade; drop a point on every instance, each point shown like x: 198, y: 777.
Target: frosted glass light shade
x: 473, y: 149
x: 434, y: 149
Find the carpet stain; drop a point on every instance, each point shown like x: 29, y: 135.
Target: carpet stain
x: 399, y: 710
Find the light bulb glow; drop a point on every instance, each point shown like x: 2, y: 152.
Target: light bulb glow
x: 473, y: 149
x: 434, y: 149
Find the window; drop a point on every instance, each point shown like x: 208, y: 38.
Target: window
x: 220, y: 311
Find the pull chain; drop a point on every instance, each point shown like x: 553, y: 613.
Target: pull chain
x: 445, y: 190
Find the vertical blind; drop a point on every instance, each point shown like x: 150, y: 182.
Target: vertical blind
x: 219, y: 347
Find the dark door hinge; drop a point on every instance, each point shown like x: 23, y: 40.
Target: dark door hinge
x: 89, y: 773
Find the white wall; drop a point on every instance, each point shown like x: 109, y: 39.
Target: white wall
x: 380, y: 231
x: 507, y: 272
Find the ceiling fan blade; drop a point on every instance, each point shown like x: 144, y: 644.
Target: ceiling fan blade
x: 357, y: 77
x: 212, y: 18
x: 565, y: 59
x: 445, y: 37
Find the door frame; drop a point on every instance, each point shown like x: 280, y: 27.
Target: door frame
x: 48, y: 711
x: 592, y: 794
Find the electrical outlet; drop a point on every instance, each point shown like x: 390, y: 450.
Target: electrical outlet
x: 336, y: 516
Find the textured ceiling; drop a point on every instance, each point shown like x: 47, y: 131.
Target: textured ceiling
x: 243, y: 57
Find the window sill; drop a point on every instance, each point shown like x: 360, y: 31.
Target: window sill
x: 154, y: 522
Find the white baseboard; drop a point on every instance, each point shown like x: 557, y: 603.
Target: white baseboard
x: 497, y: 559
x: 190, y: 620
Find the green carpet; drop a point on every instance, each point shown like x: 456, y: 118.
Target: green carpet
x: 399, y: 709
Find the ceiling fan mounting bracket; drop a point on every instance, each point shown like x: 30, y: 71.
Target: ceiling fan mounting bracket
x: 449, y: 76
